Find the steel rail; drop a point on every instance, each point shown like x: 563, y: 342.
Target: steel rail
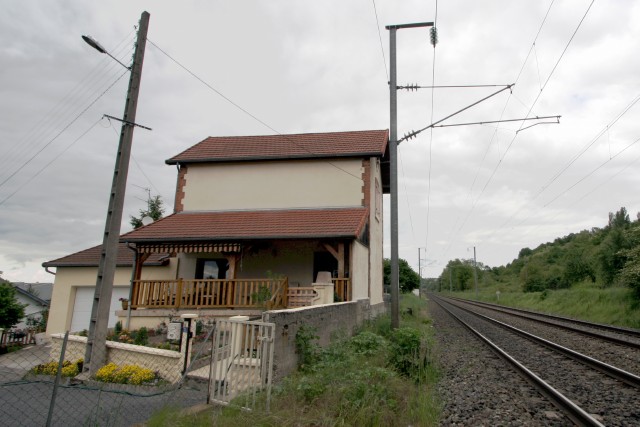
x: 610, y: 370
x: 574, y: 412
x: 530, y: 315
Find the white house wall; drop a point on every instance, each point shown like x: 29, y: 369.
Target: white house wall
x: 376, y: 233
x: 69, y: 279
x: 273, y: 185
x: 359, y: 271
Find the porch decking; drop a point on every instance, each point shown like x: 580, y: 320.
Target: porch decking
x: 221, y: 293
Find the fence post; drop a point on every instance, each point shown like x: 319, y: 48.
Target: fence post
x: 57, y: 380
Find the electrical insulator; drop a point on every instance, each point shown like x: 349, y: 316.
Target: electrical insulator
x: 434, y: 36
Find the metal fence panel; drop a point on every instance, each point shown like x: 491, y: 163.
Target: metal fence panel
x: 241, y: 362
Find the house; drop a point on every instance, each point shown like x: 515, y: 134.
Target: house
x: 35, y: 297
x: 259, y: 222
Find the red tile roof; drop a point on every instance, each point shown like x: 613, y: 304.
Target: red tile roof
x: 253, y: 225
x: 366, y: 143
x: 91, y: 258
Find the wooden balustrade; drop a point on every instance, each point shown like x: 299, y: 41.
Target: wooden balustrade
x: 219, y: 293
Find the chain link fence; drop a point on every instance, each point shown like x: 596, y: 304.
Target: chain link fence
x: 48, y: 385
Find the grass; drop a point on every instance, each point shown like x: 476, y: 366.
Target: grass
x: 585, y: 301
x: 378, y: 377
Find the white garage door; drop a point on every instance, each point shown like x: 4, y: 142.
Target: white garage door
x: 84, y: 301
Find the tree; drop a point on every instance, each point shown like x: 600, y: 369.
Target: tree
x: 11, y: 311
x: 155, y: 210
x: 630, y: 271
x: 408, y: 278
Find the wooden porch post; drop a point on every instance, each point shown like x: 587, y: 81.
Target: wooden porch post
x: 233, y: 261
x: 339, y: 256
x: 134, y: 295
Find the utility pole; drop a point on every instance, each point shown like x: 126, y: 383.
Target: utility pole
x: 95, y: 353
x: 450, y: 280
x: 419, y: 267
x: 475, y: 272
x: 393, y: 157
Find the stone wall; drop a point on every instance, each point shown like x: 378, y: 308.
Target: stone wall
x: 328, y: 320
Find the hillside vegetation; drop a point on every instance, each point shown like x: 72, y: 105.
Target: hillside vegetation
x: 593, y: 274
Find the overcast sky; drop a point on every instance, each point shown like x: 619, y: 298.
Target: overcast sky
x: 318, y: 66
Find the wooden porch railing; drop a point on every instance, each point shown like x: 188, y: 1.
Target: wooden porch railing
x: 219, y: 293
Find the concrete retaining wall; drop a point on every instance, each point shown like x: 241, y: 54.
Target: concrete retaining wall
x: 169, y: 364
x: 328, y: 320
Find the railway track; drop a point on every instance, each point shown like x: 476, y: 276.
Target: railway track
x: 625, y: 336
x: 585, y: 389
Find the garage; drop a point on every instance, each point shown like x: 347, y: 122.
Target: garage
x: 84, y: 301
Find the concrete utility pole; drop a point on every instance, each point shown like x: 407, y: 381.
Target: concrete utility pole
x: 95, y: 354
x: 393, y: 157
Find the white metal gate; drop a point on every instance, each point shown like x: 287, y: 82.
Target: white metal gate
x: 241, y: 362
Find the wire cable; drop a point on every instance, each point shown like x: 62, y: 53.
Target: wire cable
x: 87, y: 88
x: 247, y: 112
x: 384, y: 59
x: 21, y: 167
x: 433, y: 84
x: 49, y: 163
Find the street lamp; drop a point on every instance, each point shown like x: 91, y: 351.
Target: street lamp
x: 95, y: 353
x: 97, y: 46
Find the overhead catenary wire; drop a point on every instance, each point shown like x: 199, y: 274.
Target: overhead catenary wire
x: 578, y: 155
x: 434, y: 42
x: 452, y: 233
x: 490, y: 179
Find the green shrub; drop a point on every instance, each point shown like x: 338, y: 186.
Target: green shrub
x: 118, y: 328
x: 141, y: 336
x: 307, y: 348
x: 367, y: 343
x: 407, y: 355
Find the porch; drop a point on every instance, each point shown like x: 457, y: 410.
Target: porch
x: 262, y: 294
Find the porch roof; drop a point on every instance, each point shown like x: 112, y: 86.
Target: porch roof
x: 237, y: 226
x: 91, y: 258
x: 367, y: 143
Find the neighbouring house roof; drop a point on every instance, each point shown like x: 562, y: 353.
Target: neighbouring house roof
x: 91, y: 258
x: 367, y: 143
x: 31, y: 296
x: 236, y: 226
x: 41, y: 290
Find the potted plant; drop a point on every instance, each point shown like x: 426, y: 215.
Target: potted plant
x: 125, y: 303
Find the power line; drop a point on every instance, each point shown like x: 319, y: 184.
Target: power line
x: 530, y: 109
x: 384, y: 59
x: 494, y: 136
x: 61, y: 131
x: 433, y: 85
x: 136, y: 161
x: 49, y: 163
x: 584, y: 149
x: 591, y: 173
x: 247, y: 112
x: 88, y: 87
